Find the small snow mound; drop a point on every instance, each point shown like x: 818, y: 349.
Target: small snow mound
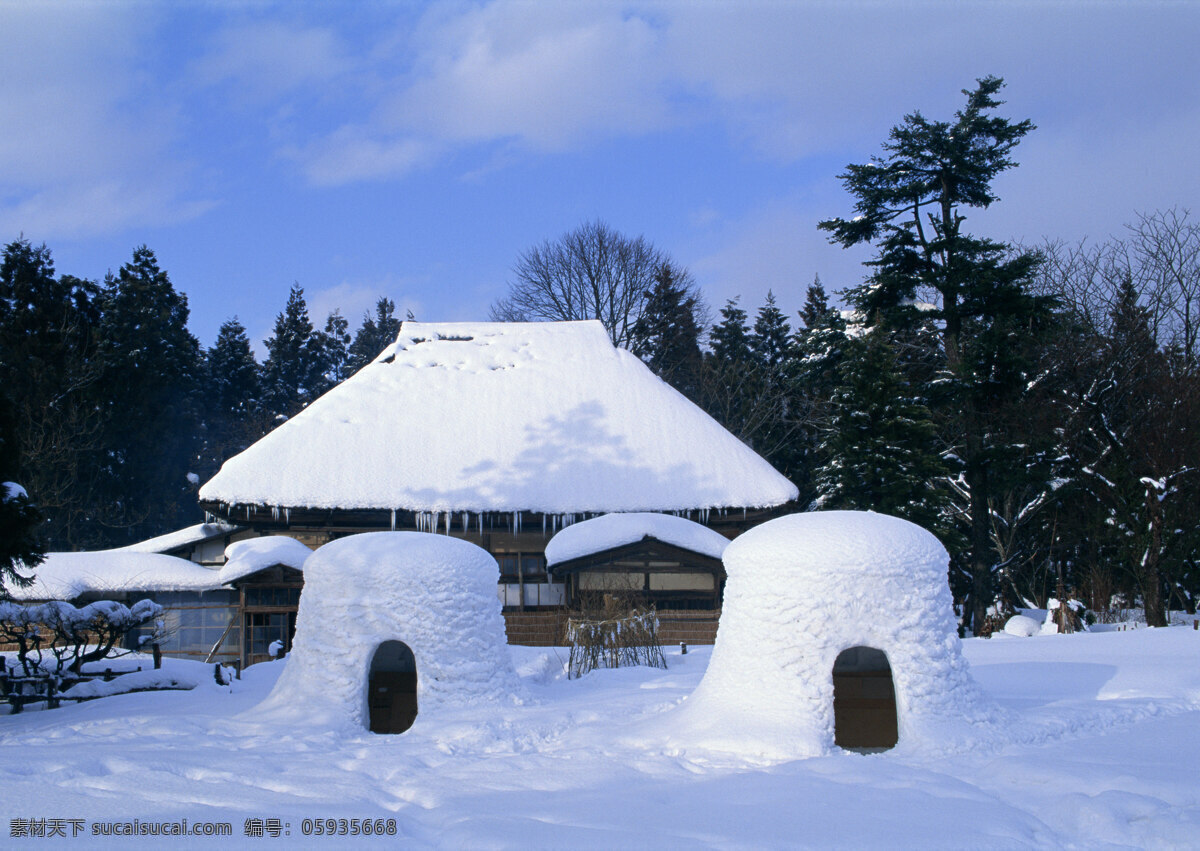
x: 615, y: 530
x: 1022, y: 626
x: 801, y: 590
x: 435, y: 594
x: 11, y: 491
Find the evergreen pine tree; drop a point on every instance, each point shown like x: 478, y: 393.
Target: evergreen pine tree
x: 335, y: 343
x: 21, y: 548
x: 879, y: 450
x: 47, y: 363
x: 375, y: 334
x: 817, y: 349
x: 909, y: 205
x: 151, y: 365
x: 816, y: 311
x: 730, y: 337
x: 234, y: 413
x: 769, y: 339
x: 294, y: 372
x: 666, y: 336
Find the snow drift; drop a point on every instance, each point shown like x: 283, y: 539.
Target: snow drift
x: 802, y: 589
x: 433, y: 593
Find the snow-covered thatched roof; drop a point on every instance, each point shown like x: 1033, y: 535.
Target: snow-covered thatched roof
x: 65, y: 576
x: 543, y: 417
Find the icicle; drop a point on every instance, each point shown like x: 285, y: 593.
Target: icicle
x: 449, y: 517
x: 393, y: 520
x: 466, y: 521
x: 287, y: 516
x: 481, y: 523
x: 543, y: 524
x: 247, y: 512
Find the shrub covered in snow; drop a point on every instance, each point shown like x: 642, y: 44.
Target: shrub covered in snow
x: 57, y: 637
x: 435, y: 594
x: 1022, y: 625
x: 801, y: 590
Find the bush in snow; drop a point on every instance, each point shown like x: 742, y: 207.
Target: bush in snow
x: 614, y: 642
x: 59, y: 638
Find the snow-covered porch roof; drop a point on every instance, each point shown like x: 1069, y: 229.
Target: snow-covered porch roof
x: 500, y: 417
x: 593, y: 538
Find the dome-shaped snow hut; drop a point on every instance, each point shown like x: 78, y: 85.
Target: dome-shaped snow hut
x: 832, y: 621
x: 392, y: 627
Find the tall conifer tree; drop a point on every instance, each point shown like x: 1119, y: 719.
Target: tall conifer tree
x: 910, y: 204
x: 294, y: 372
x: 375, y: 334
x: 47, y: 366
x: 152, y: 364
x: 666, y: 336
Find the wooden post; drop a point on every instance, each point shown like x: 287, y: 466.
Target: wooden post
x: 157, y: 650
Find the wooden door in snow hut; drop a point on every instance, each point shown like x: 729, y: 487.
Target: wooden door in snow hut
x: 864, y: 700
x: 392, y: 688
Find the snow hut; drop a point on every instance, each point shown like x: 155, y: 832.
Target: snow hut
x: 500, y: 434
x: 393, y: 627
x: 838, y: 629
x: 669, y: 561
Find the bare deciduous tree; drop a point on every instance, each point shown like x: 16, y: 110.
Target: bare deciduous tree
x: 592, y: 272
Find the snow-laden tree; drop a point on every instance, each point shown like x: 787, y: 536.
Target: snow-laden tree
x: 1132, y: 439
x: 880, y: 448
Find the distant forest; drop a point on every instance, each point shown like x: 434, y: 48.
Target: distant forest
x: 1037, y: 407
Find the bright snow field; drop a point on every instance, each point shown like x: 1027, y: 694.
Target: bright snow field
x: 1101, y: 752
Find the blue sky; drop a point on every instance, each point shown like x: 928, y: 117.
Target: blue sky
x: 413, y: 151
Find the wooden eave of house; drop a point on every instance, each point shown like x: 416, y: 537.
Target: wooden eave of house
x: 648, y: 554
x: 264, y: 519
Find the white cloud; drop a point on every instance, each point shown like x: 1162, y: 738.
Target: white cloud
x: 87, y: 144
x: 268, y: 59
x: 352, y: 154
x: 549, y: 75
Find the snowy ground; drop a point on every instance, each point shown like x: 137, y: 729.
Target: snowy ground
x: 1102, y: 751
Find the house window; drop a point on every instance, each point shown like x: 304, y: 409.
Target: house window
x: 264, y: 628
x: 531, y: 567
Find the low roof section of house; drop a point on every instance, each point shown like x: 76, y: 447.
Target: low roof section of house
x: 545, y: 417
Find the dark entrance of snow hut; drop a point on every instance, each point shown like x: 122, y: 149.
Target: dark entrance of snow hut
x: 864, y: 700
x: 392, y: 688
